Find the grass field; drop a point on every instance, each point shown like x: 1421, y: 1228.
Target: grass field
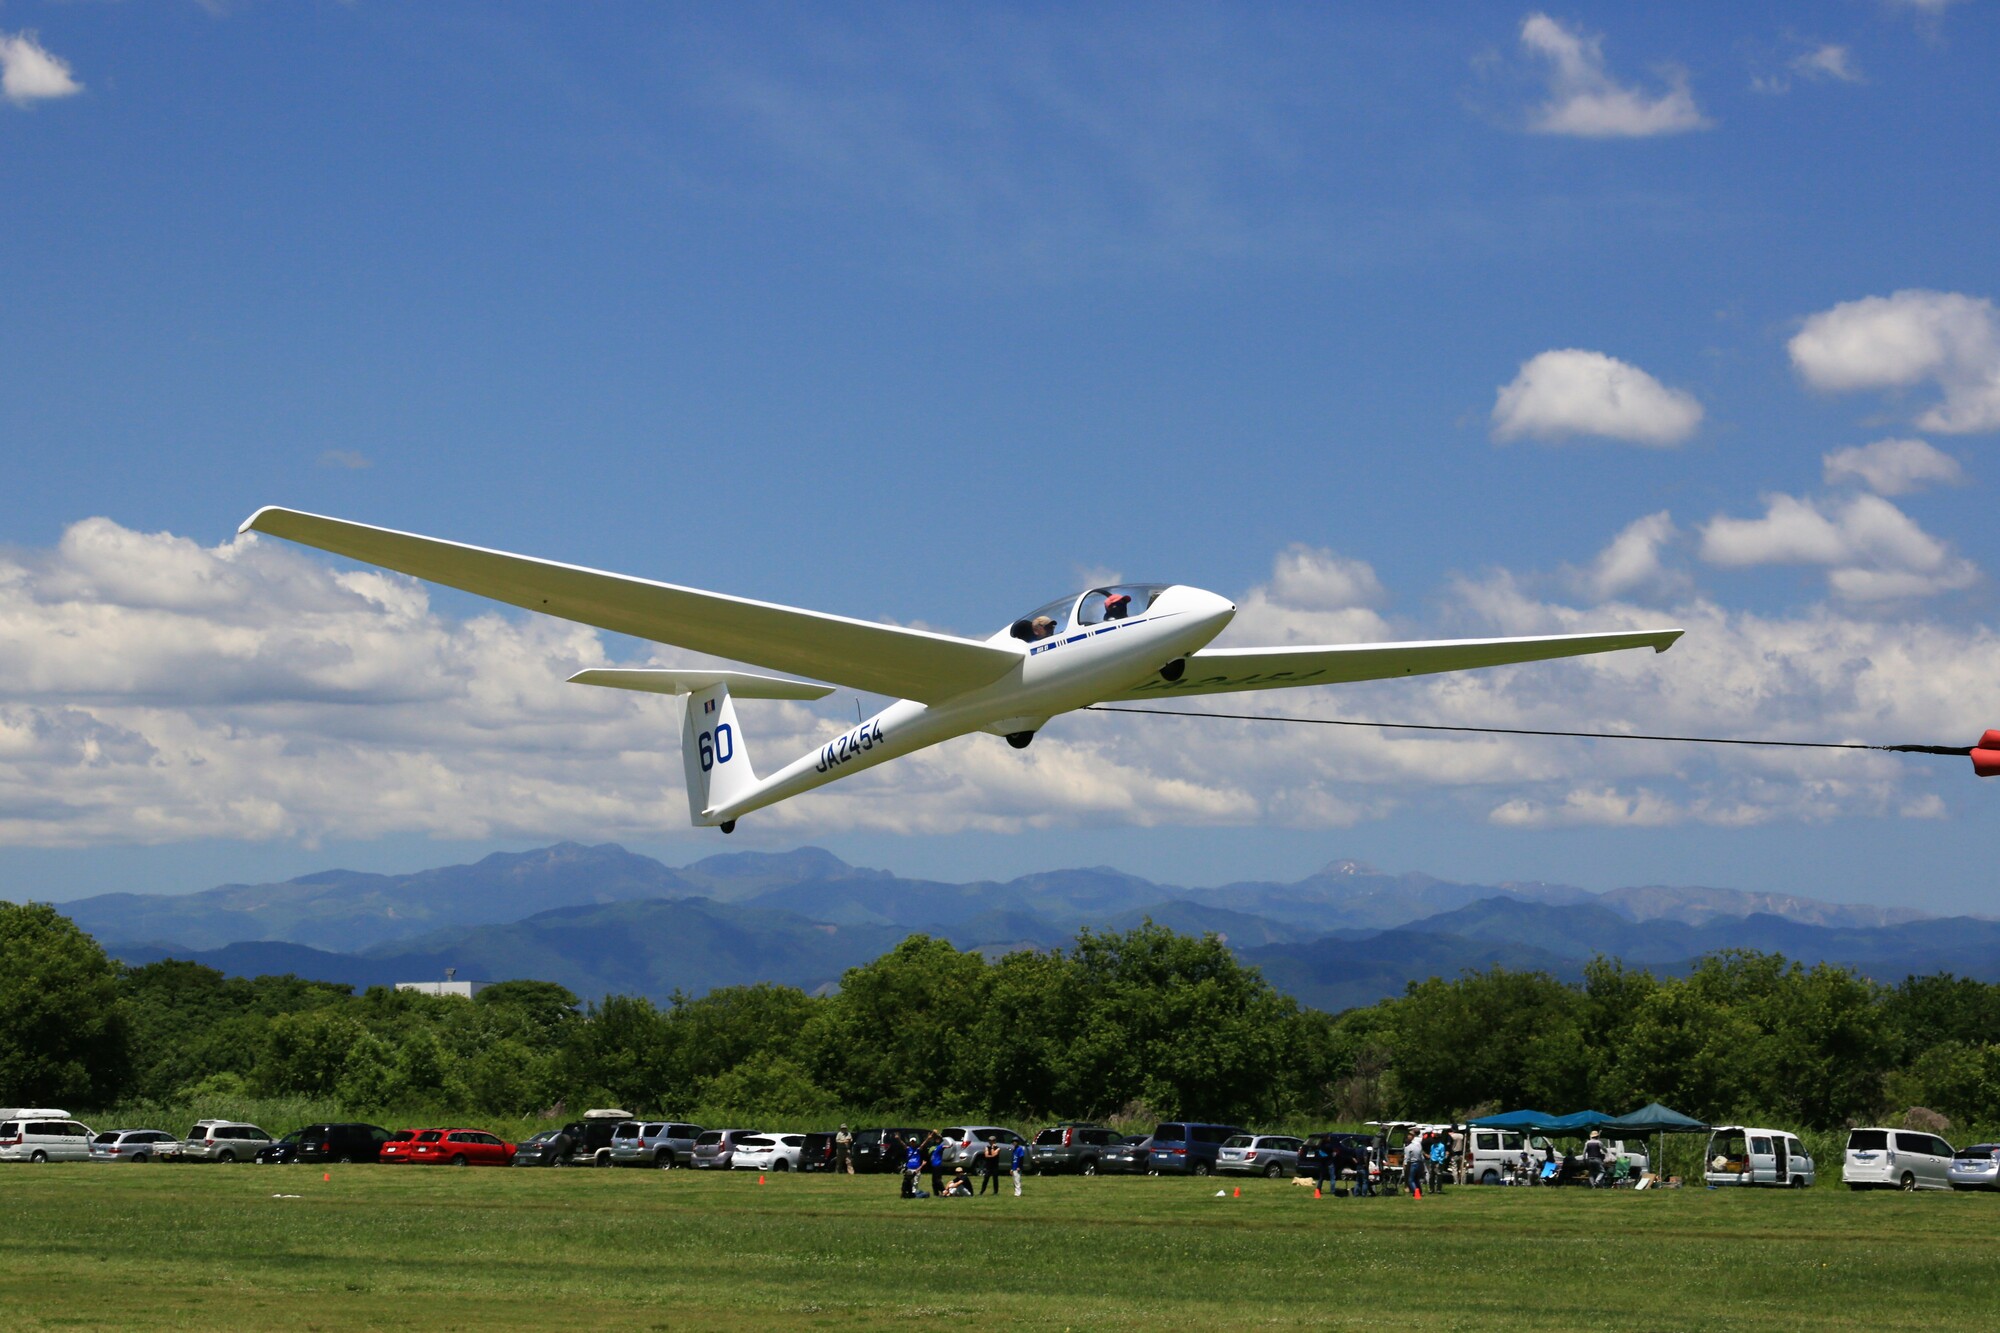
x: 87, y: 1245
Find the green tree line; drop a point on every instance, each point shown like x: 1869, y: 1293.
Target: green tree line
x: 1138, y: 1023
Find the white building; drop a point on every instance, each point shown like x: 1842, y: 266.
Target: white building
x: 468, y: 989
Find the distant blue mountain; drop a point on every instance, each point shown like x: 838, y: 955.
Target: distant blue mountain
x: 603, y: 920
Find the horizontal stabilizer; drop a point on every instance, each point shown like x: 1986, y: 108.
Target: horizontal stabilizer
x: 742, y: 684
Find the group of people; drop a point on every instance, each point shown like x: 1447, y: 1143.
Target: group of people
x: 1596, y: 1167
x: 991, y: 1160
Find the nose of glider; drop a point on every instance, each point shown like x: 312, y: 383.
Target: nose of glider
x: 1200, y: 605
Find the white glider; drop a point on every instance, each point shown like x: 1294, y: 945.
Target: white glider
x: 1129, y: 641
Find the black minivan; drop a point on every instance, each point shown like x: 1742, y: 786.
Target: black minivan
x: 1185, y: 1148
x: 341, y: 1143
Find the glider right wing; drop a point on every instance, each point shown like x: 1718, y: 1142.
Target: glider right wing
x: 880, y: 659
x: 1226, y: 670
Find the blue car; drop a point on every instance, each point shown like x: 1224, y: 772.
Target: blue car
x: 1187, y: 1148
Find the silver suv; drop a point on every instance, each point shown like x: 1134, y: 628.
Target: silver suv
x: 964, y: 1143
x: 715, y: 1149
x: 223, y: 1141
x: 661, y: 1143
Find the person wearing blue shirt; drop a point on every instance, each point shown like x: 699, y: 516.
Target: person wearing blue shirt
x: 937, y: 1167
x: 913, y: 1162
x: 1020, y: 1156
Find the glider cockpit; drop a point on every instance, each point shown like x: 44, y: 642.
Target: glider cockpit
x: 1121, y: 601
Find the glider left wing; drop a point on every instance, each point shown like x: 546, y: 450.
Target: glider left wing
x: 1226, y: 670
x: 880, y: 659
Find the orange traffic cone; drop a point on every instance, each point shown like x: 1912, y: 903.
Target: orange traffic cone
x: 1416, y: 1191
x: 760, y: 1180
x: 1315, y: 1191
x: 326, y: 1175
x: 1238, y: 1194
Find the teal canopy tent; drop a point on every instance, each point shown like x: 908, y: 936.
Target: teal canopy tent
x: 1522, y: 1120
x: 1655, y: 1119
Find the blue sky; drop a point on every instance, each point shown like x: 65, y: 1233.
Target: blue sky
x: 1475, y: 319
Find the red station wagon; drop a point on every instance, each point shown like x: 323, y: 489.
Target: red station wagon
x: 402, y: 1143
x: 462, y: 1147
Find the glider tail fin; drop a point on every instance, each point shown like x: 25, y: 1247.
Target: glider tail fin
x: 713, y: 755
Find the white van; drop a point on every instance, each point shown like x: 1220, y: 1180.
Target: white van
x: 1896, y: 1159
x: 1495, y: 1156
x: 1747, y: 1155
x: 31, y: 1134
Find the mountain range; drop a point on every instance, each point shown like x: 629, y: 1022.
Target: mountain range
x: 602, y: 920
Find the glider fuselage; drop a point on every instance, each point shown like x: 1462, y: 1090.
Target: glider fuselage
x: 1076, y: 664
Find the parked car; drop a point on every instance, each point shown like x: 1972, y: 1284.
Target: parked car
x: 659, y: 1143
x: 222, y: 1141
x: 715, y: 1149
x: 964, y: 1143
x: 129, y: 1145
x: 461, y: 1147
x: 590, y: 1137
x: 1975, y: 1168
x: 283, y: 1152
x: 341, y: 1141
x: 1313, y: 1152
x: 819, y: 1152
x: 1396, y: 1136
x: 883, y: 1149
x: 1187, y: 1147
x: 1896, y: 1159
x: 1748, y: 1155
x: 31, y: 1135
x: 402, y: 1145
x: 1494, y: 1155
x: 548, y: 1148
x: 1271, y: 1155
x: 1071, y: 1147
x: 768, y: 1152
x: 1127, y: 1157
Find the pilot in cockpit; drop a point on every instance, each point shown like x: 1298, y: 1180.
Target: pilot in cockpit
x: 1117, y: 606
x: 1041, y: 627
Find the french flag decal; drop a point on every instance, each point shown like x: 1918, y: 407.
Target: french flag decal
x: 708, y: 706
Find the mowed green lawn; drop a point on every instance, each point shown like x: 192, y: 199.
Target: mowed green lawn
x: 405, y: 1246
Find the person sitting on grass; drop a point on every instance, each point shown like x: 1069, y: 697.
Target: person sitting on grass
x: 960, y: 1187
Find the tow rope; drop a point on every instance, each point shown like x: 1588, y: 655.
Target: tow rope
x: 1985, y: 755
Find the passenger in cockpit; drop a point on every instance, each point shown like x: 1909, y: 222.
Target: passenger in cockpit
x: 1041, y: 627
x: 1117, y: 606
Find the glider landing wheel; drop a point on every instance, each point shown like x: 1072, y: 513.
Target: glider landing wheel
x: 1020, y: 739
x: 727, y: 826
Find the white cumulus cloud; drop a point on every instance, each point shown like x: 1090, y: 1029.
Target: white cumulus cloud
x: 1908, y: 339
x: 1893, y: 467
x: 30, y: 73
x: 1874, y: 550
x: 1570, y: 392
x: 1585, y: 101
x: 1632, y: 562
x: 1827, y: 62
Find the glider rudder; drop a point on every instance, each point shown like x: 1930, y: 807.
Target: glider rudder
x: 714, y: 756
